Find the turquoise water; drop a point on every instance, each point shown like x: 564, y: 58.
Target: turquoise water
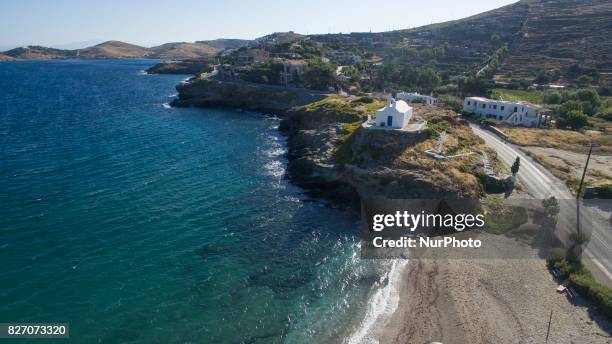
x: 135, y: 222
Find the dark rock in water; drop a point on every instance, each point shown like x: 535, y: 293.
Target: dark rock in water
x: 192, y: 66
x: 272, y: 99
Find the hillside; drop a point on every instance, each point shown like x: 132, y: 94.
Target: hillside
x: 516, y: 41
x: 5, y: 58
x: 560, y: 33
x: 538, y: 34
x: 225, y: 43
x: 117, y: 49
x: 183, y: 50
x: 114, y: 49
x: 34, y: 52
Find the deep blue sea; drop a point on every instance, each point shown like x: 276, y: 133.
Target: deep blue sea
x: 140, y: 223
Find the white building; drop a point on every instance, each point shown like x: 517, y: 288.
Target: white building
x: 516, y: 113
x: 396, y: 114
x: 412, y: 96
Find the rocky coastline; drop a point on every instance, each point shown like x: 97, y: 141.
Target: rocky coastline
x: 339, y: 164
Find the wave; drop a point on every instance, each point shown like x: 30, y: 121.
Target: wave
x: 381, y: 306
x: 166, y: 106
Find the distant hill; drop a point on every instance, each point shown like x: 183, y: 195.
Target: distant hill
x: 117, y: 49
x: 517, y: 41
x: 225, y: 43
x: 114, y: 49
x: 6, y: 58
x: 183, y: 50
x: 34, y: 52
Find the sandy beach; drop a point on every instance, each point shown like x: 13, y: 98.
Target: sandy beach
x: 489, y: 301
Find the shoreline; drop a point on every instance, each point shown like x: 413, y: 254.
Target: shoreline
x: 446, y: 300
x: 488, y: 301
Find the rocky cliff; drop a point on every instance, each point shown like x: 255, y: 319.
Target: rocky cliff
x: 331, y: 155
x: 237, y: 94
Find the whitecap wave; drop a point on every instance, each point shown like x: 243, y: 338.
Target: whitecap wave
x: 275, y: 168
x: 381, y: 306
x: 166, y: 106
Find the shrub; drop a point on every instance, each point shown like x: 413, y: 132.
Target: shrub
x: 553, y: 97
x: 365, y: 100
x: 583, y: 281
x: 605, y: 91
x: 485, y: 121
x: 584, y: 80
x: 454, y: 103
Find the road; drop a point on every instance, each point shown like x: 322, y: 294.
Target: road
x: 540, y: 184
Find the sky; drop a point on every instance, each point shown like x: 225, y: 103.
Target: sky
x: 77, y: 23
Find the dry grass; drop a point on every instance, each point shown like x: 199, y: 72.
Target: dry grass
x: 573, y: 141
x: 569, y: 170
x: 461, y: 172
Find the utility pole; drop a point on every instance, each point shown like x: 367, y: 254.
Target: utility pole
x: 586, y: 165
x: 549, y: 322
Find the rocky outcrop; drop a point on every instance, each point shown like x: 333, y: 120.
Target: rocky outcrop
x: 238, y: 94
x: 332, y: 156
x: 192, y: 67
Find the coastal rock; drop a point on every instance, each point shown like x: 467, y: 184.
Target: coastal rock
x: 238, y: 94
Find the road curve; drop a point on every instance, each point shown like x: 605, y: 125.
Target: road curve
x: 540, y: 184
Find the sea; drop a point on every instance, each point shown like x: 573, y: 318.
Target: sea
x: 137, y: 222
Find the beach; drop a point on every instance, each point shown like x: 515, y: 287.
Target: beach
x: 488, y: 301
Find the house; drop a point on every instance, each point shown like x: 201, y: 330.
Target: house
x: 517, y: 113
x: 291, y: 70
x: 395, y: 115
x: 251, y: 56
x: 345, y: 57
x: 412, y: 96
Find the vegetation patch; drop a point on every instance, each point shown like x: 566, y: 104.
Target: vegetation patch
x: 532, y: 96
x: 582, y: 280
x: 501, y: 218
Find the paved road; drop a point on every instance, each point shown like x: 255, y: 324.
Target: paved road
x: 542, y: 184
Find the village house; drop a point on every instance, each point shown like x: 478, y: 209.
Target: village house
x: 517, y: 113
x: 414, y: 96
x: 345, y: 57
x: 291, y: 70
x: 251, y: 56
x: 395, y: 115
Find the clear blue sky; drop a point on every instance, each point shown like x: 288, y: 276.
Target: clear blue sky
x: 65, y: 22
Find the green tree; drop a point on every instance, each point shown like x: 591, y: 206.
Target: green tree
x: 515, y: 167
x: 320, y: 76
x: 553, y: 97
x: 574, y: 119
x: 428, y: 79
x: 551, y: 206
x: 584, y: 80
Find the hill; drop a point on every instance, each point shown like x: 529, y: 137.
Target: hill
x: 34, y: 52
x: 5, y: 58
x: 517, y: 40
x: 225, y: 43
x: 114, y: 49
x: 558, y: 34
x: 183, y: 50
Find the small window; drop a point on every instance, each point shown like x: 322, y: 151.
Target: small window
x: 515, y: 109
x: 468, y: 102
x: 502, y: 108
x: 484, y: 106
x: 495, y: 106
